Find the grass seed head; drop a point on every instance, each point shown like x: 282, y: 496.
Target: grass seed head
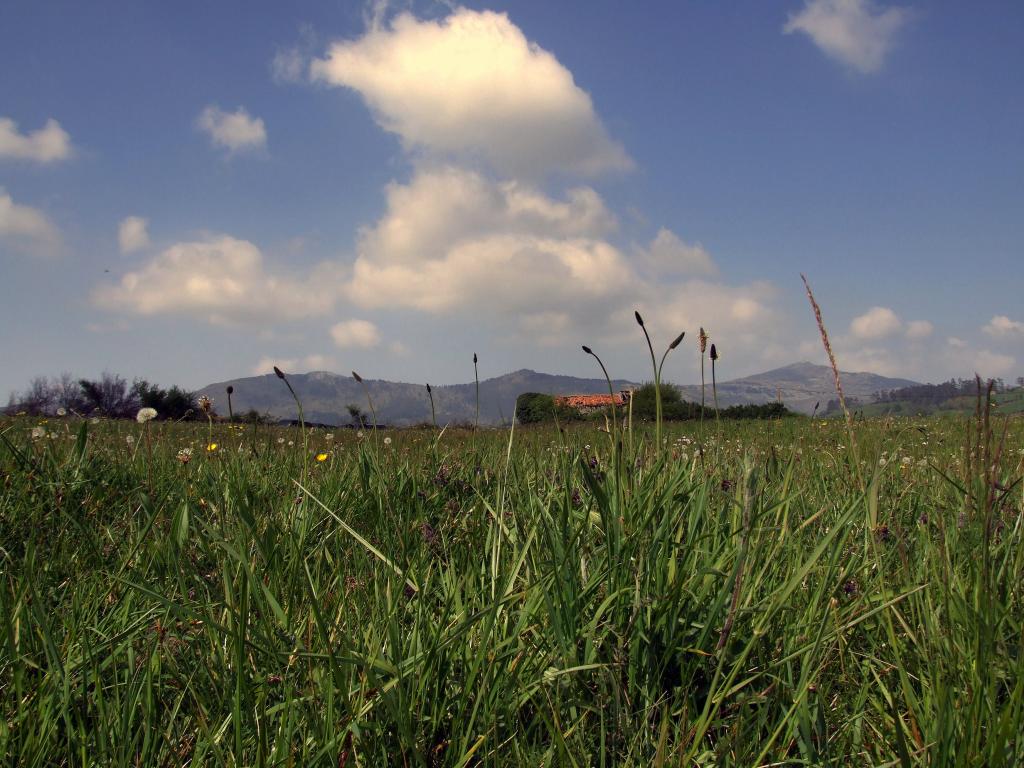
x: 678, y: 341
x: 703, y: 338
x: 231, y: 389
x: 639, y: 320
x: 357, y: 377
x: 278, y: 372
x: 714, y: 352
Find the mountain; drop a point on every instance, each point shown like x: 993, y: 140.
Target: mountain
x: 800, y: 385
x: 325, y: 396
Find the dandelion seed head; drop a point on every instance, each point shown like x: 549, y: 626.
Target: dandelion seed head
x: 145, y: 414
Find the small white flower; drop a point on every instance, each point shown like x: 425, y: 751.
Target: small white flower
x: 387, y: 441
x: 94, y: 420
x: 62, y: 412
x: 38, y: 432
x: 145, y: 414
x: 359, y: 434
x: 280, y: 441
x: 329, y: 436
x: 130, y: 439
x: 291, y: 442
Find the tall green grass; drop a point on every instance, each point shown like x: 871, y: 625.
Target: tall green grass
x: 512, y: 598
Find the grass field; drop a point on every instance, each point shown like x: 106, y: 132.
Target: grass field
x: 218, y: 595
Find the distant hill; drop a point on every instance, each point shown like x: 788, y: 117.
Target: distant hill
x: 800, y: 385
x: 325, y: 395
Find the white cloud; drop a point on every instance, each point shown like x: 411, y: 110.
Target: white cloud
x: 876, y: 323
x: 267, y: 364
x: 288, y: 66
x: 669, y: 255
x: 45, y: 145
x: 27, y: 229
x: 451, y: 239
x: 221, y: 279
x: 355, y: 333
x: 132, y: 234
x: 305, y: 364
x: 991, y: 364
x: 472, y: 85
x: 919, y: 329
x: 1002, y: 327
x: 236, y: 131
x: 956, y: 343
x: 539, y: 268
x: 857, y: 33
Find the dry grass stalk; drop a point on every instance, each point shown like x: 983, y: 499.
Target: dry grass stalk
x: 835, y: 367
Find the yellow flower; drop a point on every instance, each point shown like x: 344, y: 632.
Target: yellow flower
x: 211, y: 447
x: 321, y: 457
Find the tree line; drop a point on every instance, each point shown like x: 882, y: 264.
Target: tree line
x: 110, y: 396
x: 535, y: 407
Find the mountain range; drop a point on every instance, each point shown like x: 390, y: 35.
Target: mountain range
x: 326, y: 396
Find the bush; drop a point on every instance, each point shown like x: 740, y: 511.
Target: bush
x: 535, y: 408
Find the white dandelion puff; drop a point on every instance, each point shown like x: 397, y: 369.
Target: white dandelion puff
x: 145, y: 414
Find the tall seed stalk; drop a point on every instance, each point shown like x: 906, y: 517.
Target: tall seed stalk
x: 433, y: 413
x: 838, y: 382
x: 302, y: 421
x: 658, y: 413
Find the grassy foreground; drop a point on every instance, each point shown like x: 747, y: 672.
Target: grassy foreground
x: 512, y: 599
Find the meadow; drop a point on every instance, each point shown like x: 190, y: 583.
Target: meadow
x: 216, y: 594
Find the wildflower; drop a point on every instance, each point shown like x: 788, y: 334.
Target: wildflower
x: 211, y: 448
x: 38, y: 432
x: 94, y: 420
x: 185, y: 455
x: 387, y: 441
x: 145, y: 414
x: 359, y: 434
x: 130, y: 439
x: 205, y: 404
x: 291, y: 442
x: 280, y: 441
x: 703, y: 339
x: 321, y: 457
x: 329, y: 436
x: 62, y: 412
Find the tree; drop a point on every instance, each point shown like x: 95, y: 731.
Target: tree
x: 174, y: 403
x: 673, y: 407
x: 535, y: 408
x: 110, y: 395
x: 39, y: 399
x: 356, y: 414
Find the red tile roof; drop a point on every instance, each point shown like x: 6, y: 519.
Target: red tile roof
x: 591, y: 401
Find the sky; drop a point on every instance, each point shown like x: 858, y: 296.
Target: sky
x: 193, y: 191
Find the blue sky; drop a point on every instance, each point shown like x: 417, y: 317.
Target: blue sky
x: 196, y: 191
